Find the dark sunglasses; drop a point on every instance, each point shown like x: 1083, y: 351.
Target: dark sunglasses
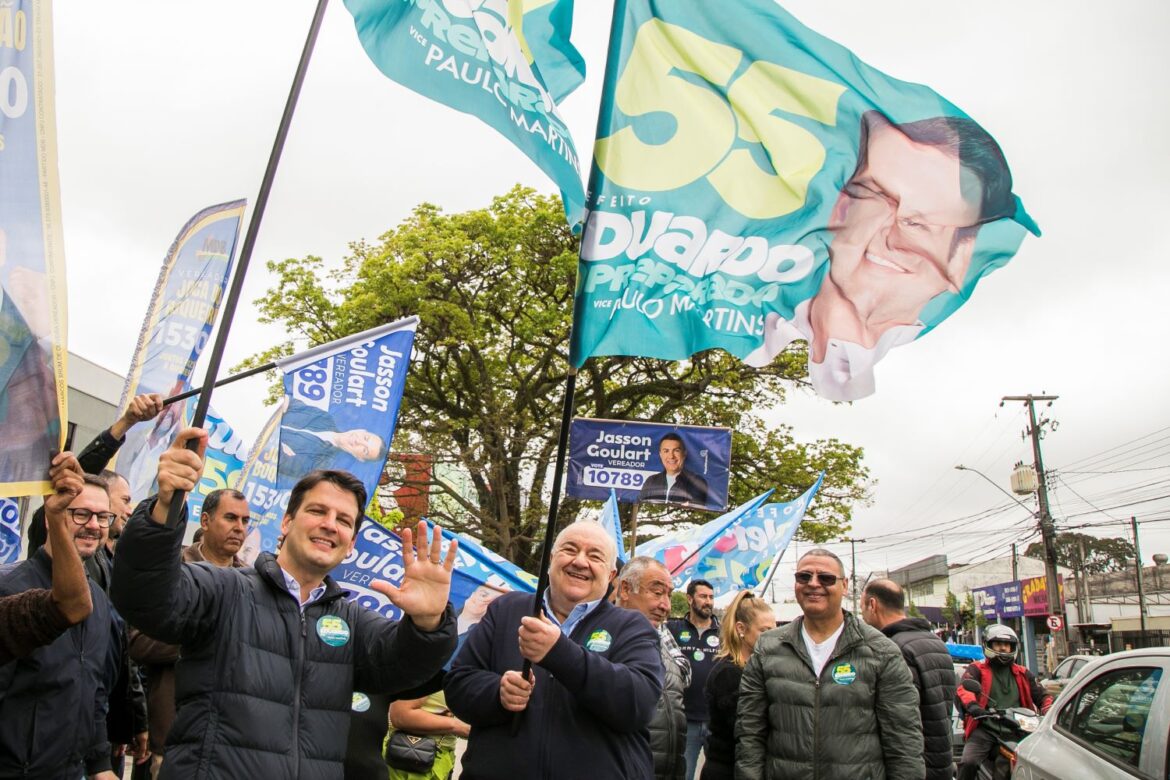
x: 823, y: 579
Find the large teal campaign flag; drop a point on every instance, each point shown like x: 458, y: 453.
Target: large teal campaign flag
x: 33, y: 389
x: 736, y: 554
x: 755, y: 184
x: 182, y: 310
x: 339, y: 412
x: 468, y: 55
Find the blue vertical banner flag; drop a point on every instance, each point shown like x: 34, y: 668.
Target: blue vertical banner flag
x: 339, y: 412
x: 611, y: 521
x: 32, y: 263
x: 178, y: 323
x: 258, y: 484
x: 755, y: 184
x: 737, y: 554
x: 9, y: 530
x: 468, y: 54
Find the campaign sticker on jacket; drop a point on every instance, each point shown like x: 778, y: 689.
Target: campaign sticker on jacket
x: 361, y: 702
x: 599, y: 641
x: 684, y: 636
x: 333, y: 630
x: 698, y: 655
x: 712, y: 641
x: 844, y: 674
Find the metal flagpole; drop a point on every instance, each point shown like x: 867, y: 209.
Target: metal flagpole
x: 567, y: 411
x: 229, y: 307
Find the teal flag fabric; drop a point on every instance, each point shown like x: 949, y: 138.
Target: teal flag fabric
x: 547, y: 27
x: 468, y: 56
x: 755, y: 184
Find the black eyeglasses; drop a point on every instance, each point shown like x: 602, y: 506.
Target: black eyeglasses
x: 82, y: 516
x: 826, y: 580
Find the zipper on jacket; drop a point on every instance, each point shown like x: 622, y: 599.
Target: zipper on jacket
x: 817, y: 727
x: 297, y: 681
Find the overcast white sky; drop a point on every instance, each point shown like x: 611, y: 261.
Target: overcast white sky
x: 164, y: 108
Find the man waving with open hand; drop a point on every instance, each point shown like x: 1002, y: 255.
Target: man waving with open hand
x: 272, y: 654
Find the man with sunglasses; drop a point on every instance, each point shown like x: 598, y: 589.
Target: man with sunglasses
x: 827, y: 696
x: 53, y: 702
x: 903, y: 233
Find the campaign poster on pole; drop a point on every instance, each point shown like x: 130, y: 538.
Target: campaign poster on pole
x: 644, y: 462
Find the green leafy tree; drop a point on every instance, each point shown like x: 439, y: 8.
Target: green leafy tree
x: 952, y: 611
x: 1101, y: 555
x: 493, y: 288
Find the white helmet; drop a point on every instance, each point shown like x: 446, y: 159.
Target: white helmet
x: 998, y: 633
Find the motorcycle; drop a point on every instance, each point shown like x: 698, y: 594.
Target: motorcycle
x: 1016, y: 722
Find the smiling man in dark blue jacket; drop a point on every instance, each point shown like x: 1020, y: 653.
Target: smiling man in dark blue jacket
x: 587, y: 707
x: 271, y: 655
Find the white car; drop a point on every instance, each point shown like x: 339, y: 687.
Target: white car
x: 1111, y: 721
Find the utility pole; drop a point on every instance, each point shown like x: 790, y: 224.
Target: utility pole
x: 1137, y: 549
x: 1047, y: 532
x: 853, y: 565
x: 1015, y: 564
x: 1083, y: 597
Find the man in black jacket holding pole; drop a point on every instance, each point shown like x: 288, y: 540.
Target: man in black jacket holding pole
x: 883, y: 606
x: 271, y: 655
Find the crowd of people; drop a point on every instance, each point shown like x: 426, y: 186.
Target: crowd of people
x: 118, y: 643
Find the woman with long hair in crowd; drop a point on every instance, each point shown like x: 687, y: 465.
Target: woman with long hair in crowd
x: 746, y: 617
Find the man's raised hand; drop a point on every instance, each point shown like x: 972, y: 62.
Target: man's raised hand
x: 179, y: 469
x: 142, y: 407
x: 426, y: 582
x: 67, y: 479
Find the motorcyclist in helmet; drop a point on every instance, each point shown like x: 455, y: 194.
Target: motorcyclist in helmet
x: 1005, y: 684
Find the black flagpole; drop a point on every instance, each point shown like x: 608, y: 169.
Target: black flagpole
x: 611, y: 63
x: 229, y: 307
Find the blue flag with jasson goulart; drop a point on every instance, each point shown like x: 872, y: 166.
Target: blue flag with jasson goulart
x: 469, y: 57
x: 754, y: 184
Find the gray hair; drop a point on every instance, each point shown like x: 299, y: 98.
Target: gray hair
x: 821, y: 552
x: 635, y: 570
x: 610, y: 545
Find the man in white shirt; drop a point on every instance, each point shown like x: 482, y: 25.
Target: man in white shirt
x: 904, y: 229
x: 827, y: 695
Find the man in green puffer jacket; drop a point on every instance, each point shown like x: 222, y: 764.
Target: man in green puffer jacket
x: 827, y: 696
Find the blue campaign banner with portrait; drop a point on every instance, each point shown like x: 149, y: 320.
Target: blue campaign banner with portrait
x: 339, y: 412
x: 755, y: 184
x: 467, y: 55
x: 737, y: 555
x: 33, y: 389
x: 685, y: 465
x: 178, y: 322
x: 9, y: 530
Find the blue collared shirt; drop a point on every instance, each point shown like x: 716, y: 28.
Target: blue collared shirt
x: 577, y: 614
x: 294, y: 588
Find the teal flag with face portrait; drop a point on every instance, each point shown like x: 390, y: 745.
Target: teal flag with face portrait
x: 755, y: 184
x: 469, y: 55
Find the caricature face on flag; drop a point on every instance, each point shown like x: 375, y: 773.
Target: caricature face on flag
x: 755, y: 184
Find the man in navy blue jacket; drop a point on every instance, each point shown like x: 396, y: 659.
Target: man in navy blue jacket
x: 597, y: 676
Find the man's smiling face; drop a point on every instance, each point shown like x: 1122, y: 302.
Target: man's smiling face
x: 582, y: 564
x: 896, y: 240
x: 321, y: 533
